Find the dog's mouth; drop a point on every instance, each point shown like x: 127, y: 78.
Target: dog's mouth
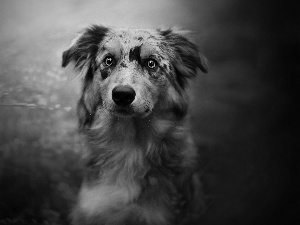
x: 123, y: 112
x: 129, y: 112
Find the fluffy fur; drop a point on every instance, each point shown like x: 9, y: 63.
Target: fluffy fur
x: 139, y: 158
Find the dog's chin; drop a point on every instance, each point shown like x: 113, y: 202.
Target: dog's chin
x: 129, y: 113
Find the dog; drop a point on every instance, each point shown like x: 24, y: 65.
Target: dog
x: 139, y: 159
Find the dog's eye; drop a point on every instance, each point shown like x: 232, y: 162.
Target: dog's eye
x: 108, y: 61
x: 151, y: 64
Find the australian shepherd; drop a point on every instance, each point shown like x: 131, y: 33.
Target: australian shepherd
x: 140, y: 162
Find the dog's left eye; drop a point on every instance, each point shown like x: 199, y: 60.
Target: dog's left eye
x: 151, y: 64
x: 108, y: 61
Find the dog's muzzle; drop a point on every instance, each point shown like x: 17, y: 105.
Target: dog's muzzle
x: 123, y: 95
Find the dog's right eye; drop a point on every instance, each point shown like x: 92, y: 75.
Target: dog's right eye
x: 151, y: 64
x: 108, y: 61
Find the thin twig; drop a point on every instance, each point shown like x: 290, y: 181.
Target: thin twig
x: 31, y: 105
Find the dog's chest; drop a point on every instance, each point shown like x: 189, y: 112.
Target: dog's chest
x: 120, y: 165
x: 100, y: 198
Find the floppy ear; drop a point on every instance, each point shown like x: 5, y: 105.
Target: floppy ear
x: 184, y: 54
x: 84, y: 48
x: 82, y: 53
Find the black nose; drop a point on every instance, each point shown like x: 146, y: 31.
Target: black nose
x: 123, y: 95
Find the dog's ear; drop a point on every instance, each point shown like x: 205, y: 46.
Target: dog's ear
x: 184, y: 54
x: 84, y: 48
x: 82, y: 53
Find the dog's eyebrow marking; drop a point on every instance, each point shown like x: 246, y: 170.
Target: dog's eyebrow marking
x: 123, y: 64
x: 165, y: 66
x: 135, y: 54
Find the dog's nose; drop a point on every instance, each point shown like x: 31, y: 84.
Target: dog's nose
x: 123, y: 95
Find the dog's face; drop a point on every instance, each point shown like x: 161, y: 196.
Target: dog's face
x: 130, y: 72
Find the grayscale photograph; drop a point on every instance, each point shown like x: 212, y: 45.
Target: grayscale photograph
x: 162, y: 112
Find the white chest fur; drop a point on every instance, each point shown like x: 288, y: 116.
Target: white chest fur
x: 97, y: 199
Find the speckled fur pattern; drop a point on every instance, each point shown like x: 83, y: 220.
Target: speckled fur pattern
x: 140, y: 160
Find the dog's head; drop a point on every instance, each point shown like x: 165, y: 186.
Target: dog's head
x: 131, y: 72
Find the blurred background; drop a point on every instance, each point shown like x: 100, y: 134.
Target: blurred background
x: 245, y: 113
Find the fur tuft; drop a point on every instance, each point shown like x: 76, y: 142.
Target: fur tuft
x: 84, y: 48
